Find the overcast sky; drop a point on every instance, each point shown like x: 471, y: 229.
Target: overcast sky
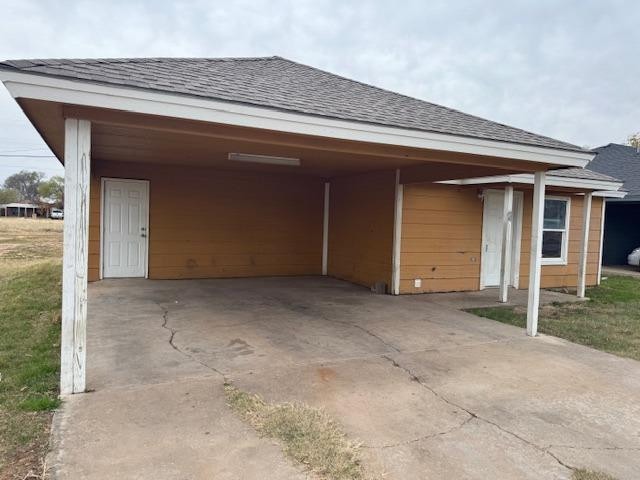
x: 566, y: 69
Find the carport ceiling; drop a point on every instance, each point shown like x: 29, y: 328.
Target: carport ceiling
x: 130, y: 137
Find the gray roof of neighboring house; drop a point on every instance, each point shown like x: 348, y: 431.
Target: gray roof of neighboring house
x: 621, y: 161
x: 282, y: 84
x: 19, y: 205
x: 583, y: 174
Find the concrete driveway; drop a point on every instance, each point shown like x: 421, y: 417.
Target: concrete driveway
x: 431, y: 392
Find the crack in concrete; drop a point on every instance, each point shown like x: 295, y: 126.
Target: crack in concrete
x: 423, y: 437
x: 165, y: 322
x: 302, y: 311
x: 362, y: 329
x: 415, y: 378
x: 578, y: 447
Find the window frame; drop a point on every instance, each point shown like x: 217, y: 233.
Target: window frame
x: 563, y: 259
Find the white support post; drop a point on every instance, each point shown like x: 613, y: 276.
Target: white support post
x: 325, y: 229
x: 602, y: 213
x: 397, y: 237
x: 77, y: 164
x: 584, y: 244
x: 505, y: 259
x: 535, y: 262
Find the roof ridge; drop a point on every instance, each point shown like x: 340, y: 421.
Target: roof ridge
x: 450, y: 109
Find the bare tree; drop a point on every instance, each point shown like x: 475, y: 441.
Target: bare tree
x: 634, y: 141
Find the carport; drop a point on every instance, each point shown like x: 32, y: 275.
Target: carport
x: 171, y: 176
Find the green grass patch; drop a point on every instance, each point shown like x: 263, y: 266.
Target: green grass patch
x: 582, y: 474
x: 29, y: 358
x: 609, y: 321
x: 308, y: 435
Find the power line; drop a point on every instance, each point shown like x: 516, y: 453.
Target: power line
x: 22, y: 150
x: 28, y: 156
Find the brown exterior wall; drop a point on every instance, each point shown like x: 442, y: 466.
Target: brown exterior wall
x: 212, y: 223
x: 557, y: 276
x: 442, y: 238
x: 361, y: 227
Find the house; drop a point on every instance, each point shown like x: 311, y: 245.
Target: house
x: 18, y: 210
x: 622, y: 219
x: 284, y: 169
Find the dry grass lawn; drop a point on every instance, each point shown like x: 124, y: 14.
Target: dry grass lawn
x: 582, y: 474
x: 308, y: 435
x: 30, y: 278
x: 25, y: 242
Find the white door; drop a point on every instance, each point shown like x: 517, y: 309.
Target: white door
x: 492, y: 238
x: 124, y: 227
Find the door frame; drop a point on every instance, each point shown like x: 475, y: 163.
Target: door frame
x: 103, y: 181
x: 514, y: 274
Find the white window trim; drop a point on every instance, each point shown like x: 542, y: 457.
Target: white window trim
x: 563, y: 260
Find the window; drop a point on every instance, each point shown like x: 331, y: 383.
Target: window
x: 555, y: 231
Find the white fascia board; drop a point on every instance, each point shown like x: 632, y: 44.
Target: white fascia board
x: 78, y: 92
x: 610, y: 194
x: 552, y: 181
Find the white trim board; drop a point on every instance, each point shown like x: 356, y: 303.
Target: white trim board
x: 79, y: 92
x: 397, y: 236
x: 325, y: 229
x: 610, y: 194
x: 527, y: 179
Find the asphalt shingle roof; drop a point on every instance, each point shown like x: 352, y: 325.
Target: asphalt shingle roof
x: 621, y: 161
x: 282, y: 84
x: 583, y: 174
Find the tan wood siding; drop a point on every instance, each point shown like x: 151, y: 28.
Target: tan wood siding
x: 441, y: 237
x: 207, y: 223
x: 94, y: 227
x: 558, y: 276
x: 361, y: 227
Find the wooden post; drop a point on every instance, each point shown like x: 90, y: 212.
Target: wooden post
x: 77, y: 163
x: 584, y: 244
x: 505, y: 258
x: 604, y: 208
x: 397, y: 236
x: 535, y: 260
x: 325, y: 229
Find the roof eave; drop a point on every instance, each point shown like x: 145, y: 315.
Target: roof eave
x: 86, y: 93
x: 552, y: 181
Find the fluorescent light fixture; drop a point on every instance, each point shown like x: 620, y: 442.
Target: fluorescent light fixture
x: 247, y: 157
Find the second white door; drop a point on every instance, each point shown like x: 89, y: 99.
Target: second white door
x: 124, y: 227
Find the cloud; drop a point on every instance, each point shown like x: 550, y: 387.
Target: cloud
x: 568, y: 69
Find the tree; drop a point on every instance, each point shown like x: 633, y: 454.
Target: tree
x: 26, y: 184
x: 8, y: 195
x: 634, y: 141
x: 53, y: 189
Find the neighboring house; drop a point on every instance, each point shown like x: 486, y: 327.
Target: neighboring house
x: 622, y: 218
x: 18, y: 210
x: 284, y: 169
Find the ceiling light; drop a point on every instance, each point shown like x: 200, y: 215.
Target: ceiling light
x: 247, y: 157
